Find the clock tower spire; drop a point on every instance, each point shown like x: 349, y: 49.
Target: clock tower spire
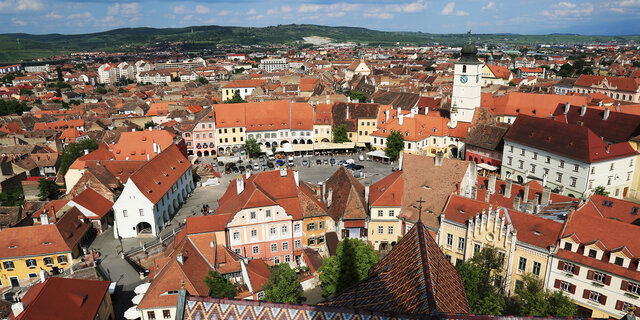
x: 467, y: 79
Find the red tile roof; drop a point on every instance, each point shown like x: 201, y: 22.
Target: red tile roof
x: 387, y: 192
x: 245, y: 83
x: 155, y: 178
x: 617, y: 83
x: 94, y: 202
x: 619, y: 127
x: 532, y: 104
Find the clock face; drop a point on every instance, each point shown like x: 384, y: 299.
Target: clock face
x: 463, y: 79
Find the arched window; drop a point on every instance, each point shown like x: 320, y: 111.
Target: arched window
x: 464, y: 69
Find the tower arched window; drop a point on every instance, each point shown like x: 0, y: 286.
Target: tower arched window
x: 464, y: 69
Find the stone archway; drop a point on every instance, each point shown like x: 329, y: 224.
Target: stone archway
x: 199, y: 153
x: 144, y: 227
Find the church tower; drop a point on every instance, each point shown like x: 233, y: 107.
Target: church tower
x: 467, y: 82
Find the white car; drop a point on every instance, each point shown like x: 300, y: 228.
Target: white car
x: 361, y: 157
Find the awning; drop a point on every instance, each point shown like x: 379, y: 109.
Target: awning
x: 287, y: 147
x: 484, y: 166
x: 332, y: 146
x: 136, y: 300
x: 142, y: 288
x: 378, y: 154
x: 302, y: 147
x: 354, y: 224
x: 132, y: 313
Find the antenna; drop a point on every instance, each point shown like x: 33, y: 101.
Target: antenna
x: 420, y: 209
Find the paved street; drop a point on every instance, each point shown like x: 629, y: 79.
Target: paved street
x: 126, y: 276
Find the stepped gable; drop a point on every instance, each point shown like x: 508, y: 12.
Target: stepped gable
x: 414, y: 278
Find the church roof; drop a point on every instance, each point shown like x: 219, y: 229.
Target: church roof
x: 415, y: 278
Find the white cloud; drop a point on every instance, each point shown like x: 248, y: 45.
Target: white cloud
x: 200, y: 9
x: 461, y: 13
x: 310, y: 8
x: 18, y: 22
x: 334, y: 10
x: 569, y: 10
x: 448, y: 9
x: 378, y: 15
x: 272, y: 11
x: 412, y: 7
x: 85, y: 16
x: 252, y: 11
x: 489, y: 7
x: 212, y: 20
x: 188, y: 17
x: 224, y: 13
x: 53, y: 15
x: 259, y: 17
x: 20, y: 5
x: 181, y: 9
x: 286, y: 9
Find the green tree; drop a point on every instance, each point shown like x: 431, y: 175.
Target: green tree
x: 49, y: 190
x: 601, y: 191
x: 101, y: 90
x: 74, y: 151
x: 357, y: 95
x: 149, y: 124
x: 560, y: 305
x: 26, y: 92
x: 283, y: 286
x: 395, y: 144
x: 202, y: 80
x: 340, y: 134
x: 478, y: 276
x: 59, y: 73
x: 13, y: 197
x: 236, y: 98
x: 252, y: 147
x: 534, y: 300
x: 351, y: 264
x: 12, y: 106
x: 219, y: 287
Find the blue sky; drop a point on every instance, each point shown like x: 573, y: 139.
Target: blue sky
x: 613, y: 17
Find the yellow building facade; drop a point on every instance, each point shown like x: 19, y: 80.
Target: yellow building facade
x: 23, y: 270
x: 384, y: 227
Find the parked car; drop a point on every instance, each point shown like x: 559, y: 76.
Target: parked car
x: 290, y: 161
x: 305, y: 162
x: 318, y: 161
x: 361, y: 157
x: 357, y: 167
x: 235, y: 169
x: 349, y: 165
x: 325, y: 161
x: 261, y: 158
x: 333, y: 161
x: 242, y: 168
x: 256, y: 166
x: 270, y: 165
x: 264, y: 166
x: 220, y: 163
x: 249, y: 167
x: 342, y: 163
x: 227, y: 170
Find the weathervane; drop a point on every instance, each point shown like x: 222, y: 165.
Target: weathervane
x: 469, y: 36
x: 420, y: 209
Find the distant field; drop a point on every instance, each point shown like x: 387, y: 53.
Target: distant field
x: 20, y: 46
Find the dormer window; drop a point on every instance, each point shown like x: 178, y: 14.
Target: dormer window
x: 568, y: 246
x: 593, y: 253
x: 619, y: 261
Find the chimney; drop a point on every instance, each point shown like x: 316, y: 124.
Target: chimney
x: 605, y: 116
x: 330, y: 197
x: 507, y: 188
x: 296, y: 177
x: 536, y: 198
x: 400, y: 118
x: 147, y: 157
x: 283, y: 172
x: 546, y: 196
x: 566, y: 107
x: 516, y: 203
x: 439, y: 158
x: 529, y: 206
x: 247, y: 174
x: 239, y: 185
x: 386, y: 117
x: 525, y: 197
x: 400, y: 160
x: 366, y: 193
x: 492, y: 183
x: 487, y: 194
x: 43, y: 275
x: 86, y: 151
x: 44, y: 218
x: 155, y: 148
x: 324, y: 192
x: 17, y: 308
x: 583, y: 110
x: 180, y: 258
x: 349, y: 99
x: 474, y: 193
x: 347, y: 112
x: 544, y: 180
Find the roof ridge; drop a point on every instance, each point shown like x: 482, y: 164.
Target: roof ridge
x: 426, y: 266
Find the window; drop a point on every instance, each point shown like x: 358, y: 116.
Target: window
x: 599, y: 277
x: 321, y: 225
x: 519, y: 284
x: 31, y: 263
x: 568, y: 267
x: 285, y: 246
x: 574, y: 180
x: 595, y: 296
x: 619, y: 261
x: 297, y: 244
x: 268, y: 213
x: 284, y: 230
x: 287, y: 258
x: 536, y: 268
x: 238, y: 251
x: 559, y: 177
x: 510, y: 148
x: 390, y: 230
x: 33, y: 275
x: 391, y: 213
x: 254, y: 234
x: 520, y: 164
x: 497, y: 281
x: 255, y: 250
x: 141, y: 211
x: 320, y: 239
x: 151, y: 315
x: 522, y: 264
x: 458, y: 261
x: 296, y: 228
x: 565, y: 286
x: 631, y: 163
x: 592, y: 253
x: 311, y: 226
x: 274, y: 247
x: 476, y: 248
x: 611, y: 167
x: 609, y: 180
x: 449, y: 240
x: 522, y: 152
x: 501, y: 256
x: 633, y: 287
x: 272, y: 231
x: 380, y: 229
x: 509, y: 160
x: 380, y: 213
x: 252, y: 215
x: 48, y: 261
x: 124, y: 213
x: 62, y: 259
x: 236, y: 235
x: 575, y: 168
x: 460, y: 243
x: 8, y: 265
x: 533, y: 168
x: 276, y: 260
x: 311, y: 241
x: 629, y: 175
x: 568, y: 246
x: 260, y: 295
x: 593, y: 170
x: 166, y: 314
x: 535, y: 156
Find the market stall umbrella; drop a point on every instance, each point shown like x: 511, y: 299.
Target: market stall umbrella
x: 132, y: 313
x: 137, y: 299
x: 142, y: 288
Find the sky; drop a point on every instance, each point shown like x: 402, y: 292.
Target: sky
x: 603, y: 17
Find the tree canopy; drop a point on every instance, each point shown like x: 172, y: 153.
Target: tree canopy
x: 49, y: 190
x: 202, y: 80
x: 351, y: 264
x: 357, y: 95
x: 478, y: 275
x: 283, y: 286
x: 252, y: 147
x: 236, y: 98
x: 74, y: 151
x: 219, y: 287
x: 599, y: 190
x: 395, y: 144
x: 340, y: 134
x: 534, y: 300
x: 13, y: 197
x: 149, y: 124
x: 8, y: 107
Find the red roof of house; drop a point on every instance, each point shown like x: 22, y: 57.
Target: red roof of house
x: 387, y: 192
x: 245, y: 83
x: 64, y: 298
x: 532, y: 104
x: 571, y: 141
x: 155, y: 178
x: 618, y: 83
x: 94, y: 202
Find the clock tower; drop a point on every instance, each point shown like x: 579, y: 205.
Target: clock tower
x: 467, y: 82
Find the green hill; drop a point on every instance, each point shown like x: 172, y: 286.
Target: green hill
x: 21, y: 46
